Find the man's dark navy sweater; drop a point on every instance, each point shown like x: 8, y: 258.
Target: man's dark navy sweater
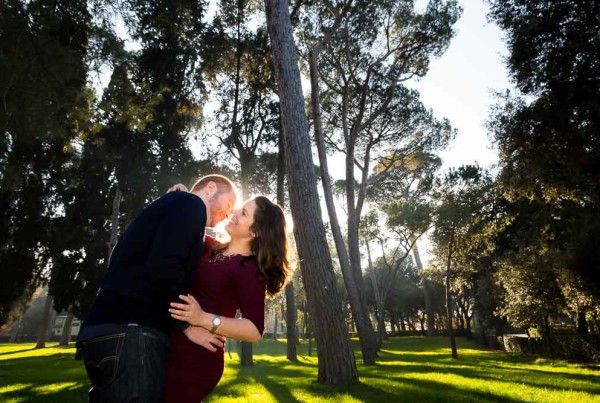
x: 151, y: 265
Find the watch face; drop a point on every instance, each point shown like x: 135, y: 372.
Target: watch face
x: 216, y: 321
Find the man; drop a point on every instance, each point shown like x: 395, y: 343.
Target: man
x: 124, y: 338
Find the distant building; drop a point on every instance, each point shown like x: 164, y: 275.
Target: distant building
x: 59, y: 323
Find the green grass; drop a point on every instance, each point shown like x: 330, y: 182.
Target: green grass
x: 412, y: 369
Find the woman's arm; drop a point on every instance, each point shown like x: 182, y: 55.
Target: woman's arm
x: 191, y: 312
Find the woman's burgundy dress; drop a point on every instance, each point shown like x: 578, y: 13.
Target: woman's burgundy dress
x: 221, y: 287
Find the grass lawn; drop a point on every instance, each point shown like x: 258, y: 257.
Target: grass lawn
x: 412, y: 369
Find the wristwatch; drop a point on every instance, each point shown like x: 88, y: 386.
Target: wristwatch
x: 216, y: 322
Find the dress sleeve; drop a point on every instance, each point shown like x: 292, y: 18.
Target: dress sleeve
x: 251, y: 291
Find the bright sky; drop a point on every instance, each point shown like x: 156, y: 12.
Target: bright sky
x: 459, y: 85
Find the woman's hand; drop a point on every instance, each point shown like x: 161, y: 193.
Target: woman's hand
x: 178, y: 186
x: 204, y: 338
x: 190, y: 312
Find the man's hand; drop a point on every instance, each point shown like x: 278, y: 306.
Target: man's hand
x: 204, y: 338
x: 178, y: 186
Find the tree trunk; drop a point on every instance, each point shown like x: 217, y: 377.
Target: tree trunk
x: 460, y: 318
x: 114, y: 222
x: 246, y: 163
x: 426, y: 291
x: 354, y: 202
x: 43, y: 329
x: 247, y: 355
x: 596, y: 324
x: 291, y: 310
x: 309, y: 336
x: 336, y: 360
x: 468, y: 327
x: 440, y: 322
x: 358, y: 306
x: 393, y: 322
x: 361, y: 317
x: 548, y: 339
x: 381, y: 333
x: 582, y: 325
x: 402, y: 323
x: 65, y: 336
x: 291, y: 319
x: 422, y: 324
x: 449, y: 299
x: 305, y: 322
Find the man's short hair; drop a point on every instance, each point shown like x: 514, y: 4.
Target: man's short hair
x: 224, y: 185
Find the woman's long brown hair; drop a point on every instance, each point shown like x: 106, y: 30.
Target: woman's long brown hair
x: 270, y: 246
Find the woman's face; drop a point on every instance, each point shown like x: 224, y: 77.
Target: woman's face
x: 241, y: 220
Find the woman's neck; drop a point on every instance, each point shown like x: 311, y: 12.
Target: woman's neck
x: 238, y: 247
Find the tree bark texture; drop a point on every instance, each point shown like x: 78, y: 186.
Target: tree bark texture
x: 43, y: 330
x: 582, y: 325
x: 291, y: 311
x: 337, y: 364
x: 247, y: 355
x: 358, y: 306
x: 449, y: 299
x: 427, y: 291
x: 362, y: 319
x: 381, y: 333
x: 114, y: 222
x: 65, y: 336
x: 291, y: 319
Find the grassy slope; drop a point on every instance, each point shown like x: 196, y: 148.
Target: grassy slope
x: 410, y: 369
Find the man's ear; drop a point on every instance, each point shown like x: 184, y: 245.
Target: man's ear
x: 210, y: 189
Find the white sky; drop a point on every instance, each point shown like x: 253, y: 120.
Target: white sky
x: 459, y: 85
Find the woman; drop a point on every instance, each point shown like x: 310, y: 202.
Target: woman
x: 231, y: 276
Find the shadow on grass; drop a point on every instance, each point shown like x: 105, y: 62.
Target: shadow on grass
x: 265, y: 374
x: 420, y: 390
x: 529, y: 377
x: 281, y: 392
x: 17, y: 351
x: 51, y: 378
x: 36, y: 393
x: 280, y: 384
x: 493, y: 366
x: 400, y: 375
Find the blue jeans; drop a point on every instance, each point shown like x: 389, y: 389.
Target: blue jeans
x: 126, y: 366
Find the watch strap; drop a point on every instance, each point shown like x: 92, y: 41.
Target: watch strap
x: 217, y: 319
